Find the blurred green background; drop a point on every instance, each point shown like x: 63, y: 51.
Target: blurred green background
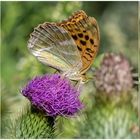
x: 118, y: 22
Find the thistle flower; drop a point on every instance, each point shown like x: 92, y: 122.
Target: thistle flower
x: 53, y: 95
x: 114, y: 75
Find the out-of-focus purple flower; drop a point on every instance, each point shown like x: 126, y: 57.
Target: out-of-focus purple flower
x: 114, y: 75
x: 53, y: 94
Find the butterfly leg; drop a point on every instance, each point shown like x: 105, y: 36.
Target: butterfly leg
x: 79, y: 85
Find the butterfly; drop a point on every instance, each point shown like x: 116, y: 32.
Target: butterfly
x: 69, y: 46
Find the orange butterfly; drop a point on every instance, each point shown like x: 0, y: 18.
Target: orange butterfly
x: 69, y: 46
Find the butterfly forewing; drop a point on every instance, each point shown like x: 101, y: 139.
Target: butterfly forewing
x: 85, y: 32
x: 52, y: 45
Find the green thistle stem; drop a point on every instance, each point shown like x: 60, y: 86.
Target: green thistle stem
x: 51, y: 123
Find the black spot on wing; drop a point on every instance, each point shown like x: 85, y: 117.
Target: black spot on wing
x: 80, y: 35
x: 82, y: 42
x: 91, y: 41
x: 89, y: 50
x: 74, y: 37
x: 89, y: 55
x: 80, y: 49
x: 86, y: 37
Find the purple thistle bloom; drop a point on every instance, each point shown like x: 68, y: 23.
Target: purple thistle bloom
x: 53, y: 94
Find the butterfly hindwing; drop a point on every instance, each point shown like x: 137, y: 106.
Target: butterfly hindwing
x: 52, y: 45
